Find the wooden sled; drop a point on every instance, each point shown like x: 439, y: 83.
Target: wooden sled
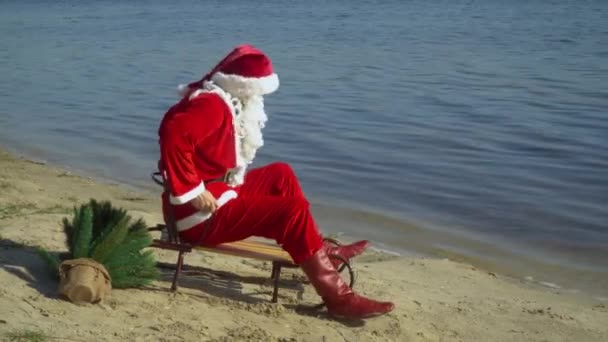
x: 257, y: 250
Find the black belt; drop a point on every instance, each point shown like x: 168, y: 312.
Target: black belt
x: 223, y: 179
x: 158, y: 179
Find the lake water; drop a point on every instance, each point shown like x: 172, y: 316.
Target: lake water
x: 475, y: 130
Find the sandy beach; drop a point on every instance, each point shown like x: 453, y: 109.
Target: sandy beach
x: 229, y: 298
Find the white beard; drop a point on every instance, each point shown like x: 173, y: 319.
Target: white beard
x: 250, y: 123
x: 249, y: 118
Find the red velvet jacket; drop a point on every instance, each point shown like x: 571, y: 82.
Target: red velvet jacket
x: 197, y: 145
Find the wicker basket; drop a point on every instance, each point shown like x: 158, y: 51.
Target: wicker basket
x: 84, y: 281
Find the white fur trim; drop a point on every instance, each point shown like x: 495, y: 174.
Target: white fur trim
x: 196, y: 93
x: 192, y: 220
x: 201, y: 216
x: 188, y: 196
x: 182, y: 90
x: 244, y: 87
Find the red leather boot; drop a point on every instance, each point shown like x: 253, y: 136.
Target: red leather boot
x: 345, y: 251
x: 340, y: 299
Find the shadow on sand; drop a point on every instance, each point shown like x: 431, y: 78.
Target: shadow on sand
x: 24, y: 262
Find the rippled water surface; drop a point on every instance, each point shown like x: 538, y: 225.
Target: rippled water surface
x: 473, y: 128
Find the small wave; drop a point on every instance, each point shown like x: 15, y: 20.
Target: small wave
x: 561, y: 40
x: 386, y: 251
x: 530, y: 279
x: 551, y: 285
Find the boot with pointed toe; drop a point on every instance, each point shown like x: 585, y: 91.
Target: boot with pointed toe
x: 341, y: 301
x: 345, y: 251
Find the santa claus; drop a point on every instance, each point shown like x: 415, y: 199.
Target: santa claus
x: 207, y: 141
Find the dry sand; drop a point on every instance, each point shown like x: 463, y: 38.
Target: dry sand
x: 437, y: 300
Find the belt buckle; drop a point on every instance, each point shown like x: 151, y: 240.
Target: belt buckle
x: 227, y: 176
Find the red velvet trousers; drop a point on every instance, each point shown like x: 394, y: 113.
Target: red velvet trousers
x: 270, y: 204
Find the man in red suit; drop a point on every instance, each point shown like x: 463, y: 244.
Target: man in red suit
x: 207, y: 141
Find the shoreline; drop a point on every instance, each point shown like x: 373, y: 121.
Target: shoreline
x: 428, y: 241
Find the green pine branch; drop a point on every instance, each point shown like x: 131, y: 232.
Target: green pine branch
x: 83, y: 234
x: 105, y: 216
x: 69, y: 228
x: 137, y: 270
x: 109, y: 236
x: 110, y: 239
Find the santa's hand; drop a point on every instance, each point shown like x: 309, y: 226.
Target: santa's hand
x: 205, y: 202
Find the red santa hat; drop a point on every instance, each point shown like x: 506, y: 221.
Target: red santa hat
x: 244, y: 72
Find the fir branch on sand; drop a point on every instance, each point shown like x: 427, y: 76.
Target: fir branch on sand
x: 68, y: 228
x: 104, y: 216
x: 133, y: 270
x: 108, y: 240
x: 128, y: 266
x: 109, y: 236
x: 84, y: 233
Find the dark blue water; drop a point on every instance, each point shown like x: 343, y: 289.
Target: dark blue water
x: 407, y: 121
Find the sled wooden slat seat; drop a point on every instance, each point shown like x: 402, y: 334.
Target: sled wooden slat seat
x: 252, y: 249
x: 246, y: 248
x: 258, y: 250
